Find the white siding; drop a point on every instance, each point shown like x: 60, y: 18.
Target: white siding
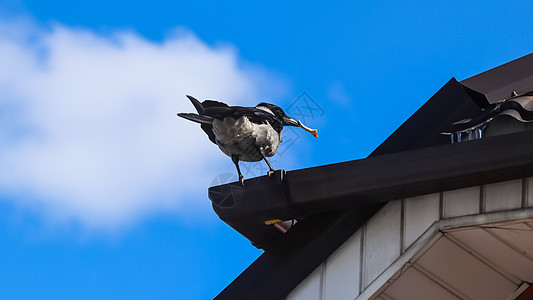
x: 343, y: 270
x: 420, y: 213
x: 503, y: 195
x: 310, y: 288
x: 461, y: 202
x: 381, y: 241
x: 350, y: 271
x: 529, y: 192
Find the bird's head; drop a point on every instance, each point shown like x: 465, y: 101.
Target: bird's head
x: 287, y: 121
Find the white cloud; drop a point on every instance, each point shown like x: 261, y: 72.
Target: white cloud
x: 337, y: 94
x: 88, y: 125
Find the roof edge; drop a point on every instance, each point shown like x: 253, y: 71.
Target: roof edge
x: 354, y: 184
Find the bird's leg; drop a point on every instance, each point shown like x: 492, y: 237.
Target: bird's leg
x: 271, y: 171
x: 235, y: 160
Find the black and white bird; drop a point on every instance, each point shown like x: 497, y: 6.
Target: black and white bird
x: 243, y: 133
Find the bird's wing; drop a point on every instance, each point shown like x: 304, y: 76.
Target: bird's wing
x: 255, y: 115
x: 259, y: 116
x: 208, y: 129
x: 213, y: 103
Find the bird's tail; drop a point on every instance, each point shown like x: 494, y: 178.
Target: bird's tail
x: 197, y: 104
x: 196, y: 118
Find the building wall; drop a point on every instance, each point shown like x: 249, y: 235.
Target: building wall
x: 375, y: 252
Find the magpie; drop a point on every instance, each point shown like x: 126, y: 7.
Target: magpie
x: 243, y: 133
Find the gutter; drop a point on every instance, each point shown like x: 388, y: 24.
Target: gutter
x: 299, y: 194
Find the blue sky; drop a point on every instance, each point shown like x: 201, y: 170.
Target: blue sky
x: 103, y: 190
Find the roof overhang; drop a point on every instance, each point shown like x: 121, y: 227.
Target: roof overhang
x: 349, y: 185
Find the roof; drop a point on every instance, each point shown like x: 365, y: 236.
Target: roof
x: 331, y: 202
x: 512, y: 79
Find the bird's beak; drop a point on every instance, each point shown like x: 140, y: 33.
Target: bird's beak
x: 292, y: 122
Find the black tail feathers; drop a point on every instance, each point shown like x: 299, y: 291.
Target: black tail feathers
x: 196, y: 118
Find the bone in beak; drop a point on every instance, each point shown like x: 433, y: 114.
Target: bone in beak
x: 311, y: 131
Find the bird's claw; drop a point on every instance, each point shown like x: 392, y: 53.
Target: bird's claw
x: 241, y: 179
x: 269, y: 173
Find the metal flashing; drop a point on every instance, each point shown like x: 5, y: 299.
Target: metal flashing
x: 504, y: 82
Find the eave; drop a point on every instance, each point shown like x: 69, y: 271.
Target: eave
x: 345, y: 195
